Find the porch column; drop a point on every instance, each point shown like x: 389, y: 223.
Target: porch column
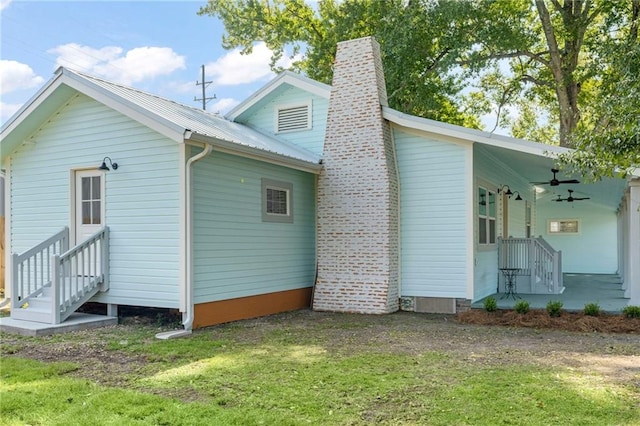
x: 632, y: 255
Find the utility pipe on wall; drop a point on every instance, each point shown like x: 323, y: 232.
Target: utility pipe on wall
x: 188, y: 278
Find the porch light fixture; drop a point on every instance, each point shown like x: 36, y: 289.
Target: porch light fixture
x: 104, y: 166
x: 510, y: 193
x: 507, y: 192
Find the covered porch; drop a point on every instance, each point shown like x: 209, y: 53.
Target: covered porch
x: 604, y: 289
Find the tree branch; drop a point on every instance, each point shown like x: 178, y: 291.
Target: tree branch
x: 535, y: 56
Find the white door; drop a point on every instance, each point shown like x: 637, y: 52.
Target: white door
x: 89, y: 216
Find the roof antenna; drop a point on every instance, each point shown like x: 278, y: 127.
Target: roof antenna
x: 204, y: 85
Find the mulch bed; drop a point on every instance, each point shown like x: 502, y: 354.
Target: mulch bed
x: 539, y: 318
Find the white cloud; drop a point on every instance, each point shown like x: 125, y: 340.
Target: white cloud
x: 16, y: 76
x: 4, y: 4
x: 7, y: 110
x: 235, y: 68
x: 223, y: 106
x: 110, y: 62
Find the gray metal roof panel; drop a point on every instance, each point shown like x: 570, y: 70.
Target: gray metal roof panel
x: 202, y: 122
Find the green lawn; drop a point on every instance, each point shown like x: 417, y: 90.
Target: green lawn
x: 325, y: 371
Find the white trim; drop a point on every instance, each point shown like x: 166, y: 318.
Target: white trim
x: 182, y: 223
x: 8, y: 261
x: 257, y: 154
x: 123, y: 106
x: 286, y: 77
x: 470, y: 213
x: 471, y: 135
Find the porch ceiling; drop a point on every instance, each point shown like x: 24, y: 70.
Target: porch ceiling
x: 534, y: 168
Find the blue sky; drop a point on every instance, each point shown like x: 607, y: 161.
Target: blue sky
x: 155, y: 46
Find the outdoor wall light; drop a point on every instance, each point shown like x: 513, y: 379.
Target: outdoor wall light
x: 104, y: 166
x: 507, y: 192
x: 510, y: 193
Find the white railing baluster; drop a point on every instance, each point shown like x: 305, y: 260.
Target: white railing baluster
x: 533, y: 257
x: 71, y: 273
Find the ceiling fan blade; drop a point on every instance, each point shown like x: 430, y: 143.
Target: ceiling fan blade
x: 569, y: 181
x: 582, y: 198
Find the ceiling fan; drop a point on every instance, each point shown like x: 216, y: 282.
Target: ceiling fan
x: 555, y: 181
x: 571, y: 198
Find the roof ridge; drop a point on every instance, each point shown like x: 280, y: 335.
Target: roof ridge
x: 143, y: 92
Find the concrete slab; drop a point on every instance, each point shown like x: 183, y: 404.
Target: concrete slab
x: 580, y: 289
x: 77, y: 321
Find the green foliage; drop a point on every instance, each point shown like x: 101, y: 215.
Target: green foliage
x: 554, y: 308
x: 592, y: 309
x: 521, y: 306
x: 631, y: 311
x: 418, y: 41
x: 490, y: 304
x: 569, y: 68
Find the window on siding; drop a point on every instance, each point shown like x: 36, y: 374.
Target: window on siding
x: 293, y: 117
x: 563, y: 226
x: 486, y: 216
x: 277, y: 201
x: 91, y: 200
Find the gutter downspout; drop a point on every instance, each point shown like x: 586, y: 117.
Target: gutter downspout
x: 188, y: 279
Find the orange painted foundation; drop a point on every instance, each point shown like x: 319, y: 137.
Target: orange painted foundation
x: 213, y: 313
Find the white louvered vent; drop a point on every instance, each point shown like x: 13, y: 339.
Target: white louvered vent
x: 294, y: 118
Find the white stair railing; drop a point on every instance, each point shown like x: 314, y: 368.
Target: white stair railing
x: 533, y: 257
x: 32, y: 269
x: 51, y: 281
x: 77, y: 273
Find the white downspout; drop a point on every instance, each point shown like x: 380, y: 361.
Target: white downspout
x: 188, y: 279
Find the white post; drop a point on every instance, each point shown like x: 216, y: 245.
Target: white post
x: 15, y: 303
x: 632, y: 255
x: 55, y: 289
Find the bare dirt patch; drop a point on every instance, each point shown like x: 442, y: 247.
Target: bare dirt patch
x: 477, y: 337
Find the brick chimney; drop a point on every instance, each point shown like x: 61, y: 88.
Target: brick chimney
x: 358, y: 190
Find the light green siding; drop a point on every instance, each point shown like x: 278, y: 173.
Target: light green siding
x: 236, y: 254
x: 142, y: 196
x: 264, y: 118
x: 595, y: 249
x: 434, y: 228
x: 488, y: 171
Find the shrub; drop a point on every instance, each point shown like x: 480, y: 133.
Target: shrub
x: 592, y: 309
x: 631, y: 311
x: 490, y: 304
x: 554, y: 308
x: 521, y: 306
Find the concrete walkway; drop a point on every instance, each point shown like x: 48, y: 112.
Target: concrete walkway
x: 580, y: 289
x: 76, y: 321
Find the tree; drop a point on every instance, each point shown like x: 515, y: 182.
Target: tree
x: 609, y: 142
x: 550, y: 59
x: 417, y: 39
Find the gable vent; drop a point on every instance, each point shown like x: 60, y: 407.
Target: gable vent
x: 294, y: 118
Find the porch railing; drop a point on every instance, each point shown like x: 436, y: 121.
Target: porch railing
x: 51, y: 281
x: 77, y: 273
x: 534, y: 258
x: 32, y: 269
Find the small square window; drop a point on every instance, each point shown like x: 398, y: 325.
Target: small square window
x: 277, y: 201
x: 563, y: 227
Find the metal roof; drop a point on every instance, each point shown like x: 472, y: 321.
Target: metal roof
x: 175, y: 120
